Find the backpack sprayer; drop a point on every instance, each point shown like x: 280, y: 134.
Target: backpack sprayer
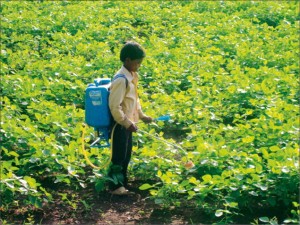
x: 97, y: 112
x: 98, y: 116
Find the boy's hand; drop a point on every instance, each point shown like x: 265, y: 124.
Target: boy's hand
x: 132, y: 128
x: 147, y: 119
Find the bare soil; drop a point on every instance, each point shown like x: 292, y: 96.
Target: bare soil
x: 88, y: 207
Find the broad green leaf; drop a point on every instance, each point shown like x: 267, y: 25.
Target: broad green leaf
x: 31, y: 181
x: 193, y: 180
x: 248, y: 139
x: 145, y: 187
x: 274, y: 148
x: 264, y: 219
x: 207, y: 178
x: 13, y: 153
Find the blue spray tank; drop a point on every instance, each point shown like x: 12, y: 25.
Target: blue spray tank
x: 97, y: 113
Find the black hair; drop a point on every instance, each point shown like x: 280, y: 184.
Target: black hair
x: 132, y: 50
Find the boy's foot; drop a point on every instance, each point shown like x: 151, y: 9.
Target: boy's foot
x: 121, y: 191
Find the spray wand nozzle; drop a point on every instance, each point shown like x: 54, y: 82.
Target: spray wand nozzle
x: 163, y: 118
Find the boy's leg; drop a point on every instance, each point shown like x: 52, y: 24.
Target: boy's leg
x: 118, y: 154
x: 127, y: 156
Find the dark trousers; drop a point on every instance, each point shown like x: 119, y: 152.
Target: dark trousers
x: 121, y: 154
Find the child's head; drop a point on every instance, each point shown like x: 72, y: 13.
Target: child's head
x: 132, y: 55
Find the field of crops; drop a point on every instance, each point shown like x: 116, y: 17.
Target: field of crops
x: 226, y: 71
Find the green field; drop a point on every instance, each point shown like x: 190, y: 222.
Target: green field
x: 226, y: 71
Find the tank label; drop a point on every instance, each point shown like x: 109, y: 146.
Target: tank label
x: 96, y: 102
x: 96, y: 97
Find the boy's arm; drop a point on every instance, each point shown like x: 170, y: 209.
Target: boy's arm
x: 117, y: 94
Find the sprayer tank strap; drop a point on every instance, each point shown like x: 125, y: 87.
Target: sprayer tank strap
x: 121, y: 76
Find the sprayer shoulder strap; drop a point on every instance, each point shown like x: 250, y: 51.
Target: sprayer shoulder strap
x: 121, y: 76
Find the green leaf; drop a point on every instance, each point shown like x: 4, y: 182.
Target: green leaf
x: 36, y: 201
x: 264, y: 219
x: 31, y: 181
x: 207, y: 178
x: 158, y: 201
x: 274, y: 148
x: 100, y: 185
x: 13, y: 153
x: 248, y: 139
x: 145, y: 187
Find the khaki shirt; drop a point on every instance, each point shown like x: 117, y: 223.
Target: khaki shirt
x: 124, y: 102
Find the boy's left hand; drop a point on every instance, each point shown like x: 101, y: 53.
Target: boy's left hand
x: 147, y: 119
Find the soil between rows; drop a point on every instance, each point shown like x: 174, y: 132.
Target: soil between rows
x: 102, y: 208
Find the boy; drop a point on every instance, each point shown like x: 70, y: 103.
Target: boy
x: 126, y: 111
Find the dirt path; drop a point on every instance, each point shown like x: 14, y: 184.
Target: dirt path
x: 108, y: 209
x: 88, y: 207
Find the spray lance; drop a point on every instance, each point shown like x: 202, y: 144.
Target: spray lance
x: 189, y: 164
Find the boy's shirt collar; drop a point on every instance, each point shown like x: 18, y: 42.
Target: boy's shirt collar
x: 129, y: 76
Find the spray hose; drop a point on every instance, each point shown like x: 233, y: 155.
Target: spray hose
x: 85, y: 152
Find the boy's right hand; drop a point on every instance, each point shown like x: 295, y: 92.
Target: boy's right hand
x: 132, y: 128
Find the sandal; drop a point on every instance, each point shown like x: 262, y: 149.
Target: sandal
x: 121, y: 191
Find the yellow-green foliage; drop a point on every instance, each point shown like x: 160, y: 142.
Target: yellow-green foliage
x: 226, y: 71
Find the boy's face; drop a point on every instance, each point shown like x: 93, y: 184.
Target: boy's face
x: 133, y: 65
